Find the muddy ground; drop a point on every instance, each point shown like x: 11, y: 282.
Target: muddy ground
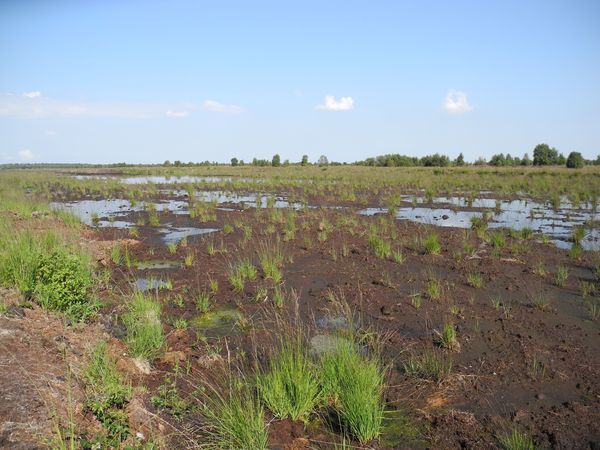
x: 520, y: 364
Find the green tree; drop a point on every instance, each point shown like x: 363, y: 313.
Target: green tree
x: 304, y: 161
x: 276, y: 161
x: 234, y: 162
x: 460, y: 160
x: 526, y: 161
x: 544, y: 155
x: 575, y: 160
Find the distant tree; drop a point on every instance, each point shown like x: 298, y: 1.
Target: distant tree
x: 480, y: 161
x: 323, y: 161
x: 460, y: 160
x: 526, y: 161
x: 435, y: 160
x: 498, y: 160
x: 242, y: 162
x: 304, y: 161
x: 597, y: 161
x: 234, y: 162
x: 276, y: 161
x: 575, y: 160
x: 543, y: 155
x: 561, y: 160
x: 286, y: 162
x: 167, y: 163
x: 177, y: 163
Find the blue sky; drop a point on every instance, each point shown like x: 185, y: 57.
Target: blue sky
x: 109, y: 81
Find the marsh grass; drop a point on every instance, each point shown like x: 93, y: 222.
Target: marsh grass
x: 380, y: 247
x: 475, y: 280
x: 271, y: 258
x: 107, y: 394
x: 290, y: 386
x: 432, y: 365
x: 145, y: 337
x: 561, y: 276
x: 432, y: 244
x: 234, y: 417
x: 516, y: 440
x: 434, y: 289
x: 354, y: 384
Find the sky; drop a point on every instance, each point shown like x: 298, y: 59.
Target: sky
x: 148, y: 81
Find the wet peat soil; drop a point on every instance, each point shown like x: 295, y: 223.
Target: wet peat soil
x: 519, y: 365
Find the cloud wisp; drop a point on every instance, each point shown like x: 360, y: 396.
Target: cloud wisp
x: 26, y: 154
x: 32, y: 105
x: 456, y: 102
x: 331, y: 104
x: 215, y: 106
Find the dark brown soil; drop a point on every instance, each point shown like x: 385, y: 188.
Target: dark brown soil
x: 536, y: 368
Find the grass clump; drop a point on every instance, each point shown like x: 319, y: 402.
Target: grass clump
x: 517, y: 440
x: 432, y: 244
x: 354, y: 384
x: 271, y: 259
x: 290, y: 387
x: 235, y: 419
x: 107, y: 394
x: 381, y: 247
x: 145, y: 337
x: 475, y: 280
x: 432, y: 365
x: 561, y: 276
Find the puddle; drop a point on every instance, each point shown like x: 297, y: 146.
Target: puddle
x: 176, y: 234
x: 557, y: 224
x: 332, y: 323
x: 398, y: 431
x: 157, y: 264
x: 147, y: 284
x: 218, y: 323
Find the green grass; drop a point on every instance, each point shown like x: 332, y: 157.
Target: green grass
x: 432, y: 365
x: 434, y: 289
x: 45, y: 267
x: 381, y: 247
x: 145, y: 337
x: 497, y: 239
x: 203, y: 301
x: 271, y: 259
x: 561, y: 276
x: 432, y: 244
x: 235, y: 418
x: 354, y: 384
x: 517, y: 440
x: 289, y: 386
x: 107, y: 393
x: 475, y: 280
x: 448, y: 336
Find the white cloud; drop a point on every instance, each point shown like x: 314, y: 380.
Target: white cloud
x: 32, y: 94
x: 213, y: 105
x: 456, y: 102
x: 39, y: 107
x: 177, y: 114
x: 331, y: 104
x: 26, y: 154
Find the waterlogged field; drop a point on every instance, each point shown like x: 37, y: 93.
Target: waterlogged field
x: 304, y: 307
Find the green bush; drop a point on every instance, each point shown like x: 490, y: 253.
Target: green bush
x: 62, y: 282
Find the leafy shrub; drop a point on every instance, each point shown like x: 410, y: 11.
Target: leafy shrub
x: 62, y: 282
